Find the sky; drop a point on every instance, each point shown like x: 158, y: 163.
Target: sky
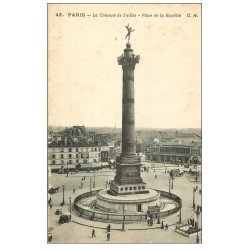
x: 85, y: 80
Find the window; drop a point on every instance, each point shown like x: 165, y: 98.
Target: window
x: 130, y: 188
x: 53, y: 162
x: 62, y: 150
x: 126, y: 188
x: 77, y: 161
x: 121, y: 189
x: 134, y: 188
x: 139, y: 188
x: 70, y: 149
x: 53, y: 156
x: 76, y: 149
x: 61, y: 156
x: 76, y: 155
x: 62, y: 161
x: 143, y: 187
x: 70, y: 156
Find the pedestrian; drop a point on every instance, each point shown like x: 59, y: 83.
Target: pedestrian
x: 81, y: 183
x: 93, y: 233
x: 148, y: 219
x: 49, y: 237
x: 198, y: 208
x: 74, y: 190
x: 192, y: 222
x: 50, y: 205
x: 166, y: 227
x: 108, y: 236
x: 82, y: 178
x: 197, y: 239
x: 162, y: 225
x: 155, y: 176
x: 158, y: 220
x: 108, y: 228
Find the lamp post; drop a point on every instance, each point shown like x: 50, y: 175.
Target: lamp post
x: 67, y: 168
x: 90, y: 185
x: 197, y: 236
x: 94, y: 179
x: 180, y: 217
x: 194, y: 190
x: 70, y: 204
x: 123, y: 217
x: 63, y: 195
x: 172, y: 186
x: 169, y: 184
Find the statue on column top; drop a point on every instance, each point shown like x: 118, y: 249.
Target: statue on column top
x: 129, y: 32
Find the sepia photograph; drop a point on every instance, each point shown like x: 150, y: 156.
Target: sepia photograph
x: 124, y: 132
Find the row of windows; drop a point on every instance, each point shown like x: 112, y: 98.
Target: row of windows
x: 71, y: 161
x: 77, y: 149
x: 76, y: 156
x: 175, y: 150
x: 131, y: 188
x: 84, y: 149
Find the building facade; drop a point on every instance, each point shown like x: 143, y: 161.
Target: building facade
x: 176, y: 153
x: 64, y: 154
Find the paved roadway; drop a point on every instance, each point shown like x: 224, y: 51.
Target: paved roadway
x: 79, y: 229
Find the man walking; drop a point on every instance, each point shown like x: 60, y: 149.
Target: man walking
x: 108, y: 228
x: 108, y: 236
x: 93, y: 233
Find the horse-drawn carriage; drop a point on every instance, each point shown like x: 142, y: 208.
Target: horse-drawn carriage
x: 64, y: 218
x: 52, y: 190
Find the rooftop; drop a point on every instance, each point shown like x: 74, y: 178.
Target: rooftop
x: 73, y: 144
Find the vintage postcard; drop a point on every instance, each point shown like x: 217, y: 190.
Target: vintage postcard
x: 124, y: 123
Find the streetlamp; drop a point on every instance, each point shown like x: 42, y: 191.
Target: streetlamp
x: 94, y: 179
x: 70, y: 204
x: 123, y: 217
x: 169, y: 184
x: 90, y: 185
x: 172, y: 186
x: 197, y: 236
x: 194, y: 190
x: 63, y: 195
x: 180, y: 217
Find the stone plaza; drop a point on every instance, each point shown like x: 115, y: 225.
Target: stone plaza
x: 78, y: 230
